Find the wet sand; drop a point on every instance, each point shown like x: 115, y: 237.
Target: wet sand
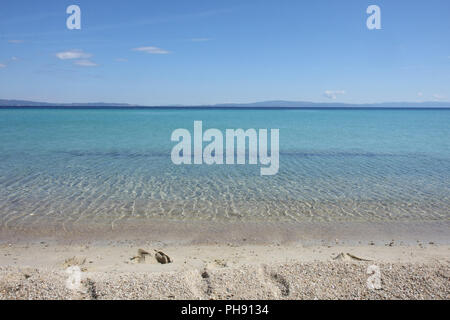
x: 200, y: 232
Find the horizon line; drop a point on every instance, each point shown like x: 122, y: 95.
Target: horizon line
x: 289, y: 104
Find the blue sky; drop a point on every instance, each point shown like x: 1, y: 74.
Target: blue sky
x: 203, y: 52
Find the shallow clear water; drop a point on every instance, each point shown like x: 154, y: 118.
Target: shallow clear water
x: 107, y: 166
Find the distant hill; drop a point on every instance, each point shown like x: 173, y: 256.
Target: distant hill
x: 305, y: 104
x: 263, y: 104
x: 24, y: 103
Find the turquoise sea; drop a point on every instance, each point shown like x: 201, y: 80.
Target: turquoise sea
x: 68, y: 167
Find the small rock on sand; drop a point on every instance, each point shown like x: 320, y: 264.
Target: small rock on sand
x: 144, y: 256
x: 141, y: 256
x: 348, y: 257
x: 74, y: 261
x: 162, y: 258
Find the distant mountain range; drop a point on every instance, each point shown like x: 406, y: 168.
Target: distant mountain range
x: 305, y: 104
x: 263, y: 104
x: 25, y: 103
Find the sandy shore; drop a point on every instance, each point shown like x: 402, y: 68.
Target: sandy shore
x: 108, y: 271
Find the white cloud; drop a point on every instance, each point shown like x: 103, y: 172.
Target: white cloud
x: 15, y: 41
x: 2, y: 65
x: 438, y: 97
x: 85, y: 63
x: 332, y: 94
x: 151, y: 50
x: 73, y: 54
x: 200, y: 39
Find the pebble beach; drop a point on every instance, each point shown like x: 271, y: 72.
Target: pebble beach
x: 40, y: 271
